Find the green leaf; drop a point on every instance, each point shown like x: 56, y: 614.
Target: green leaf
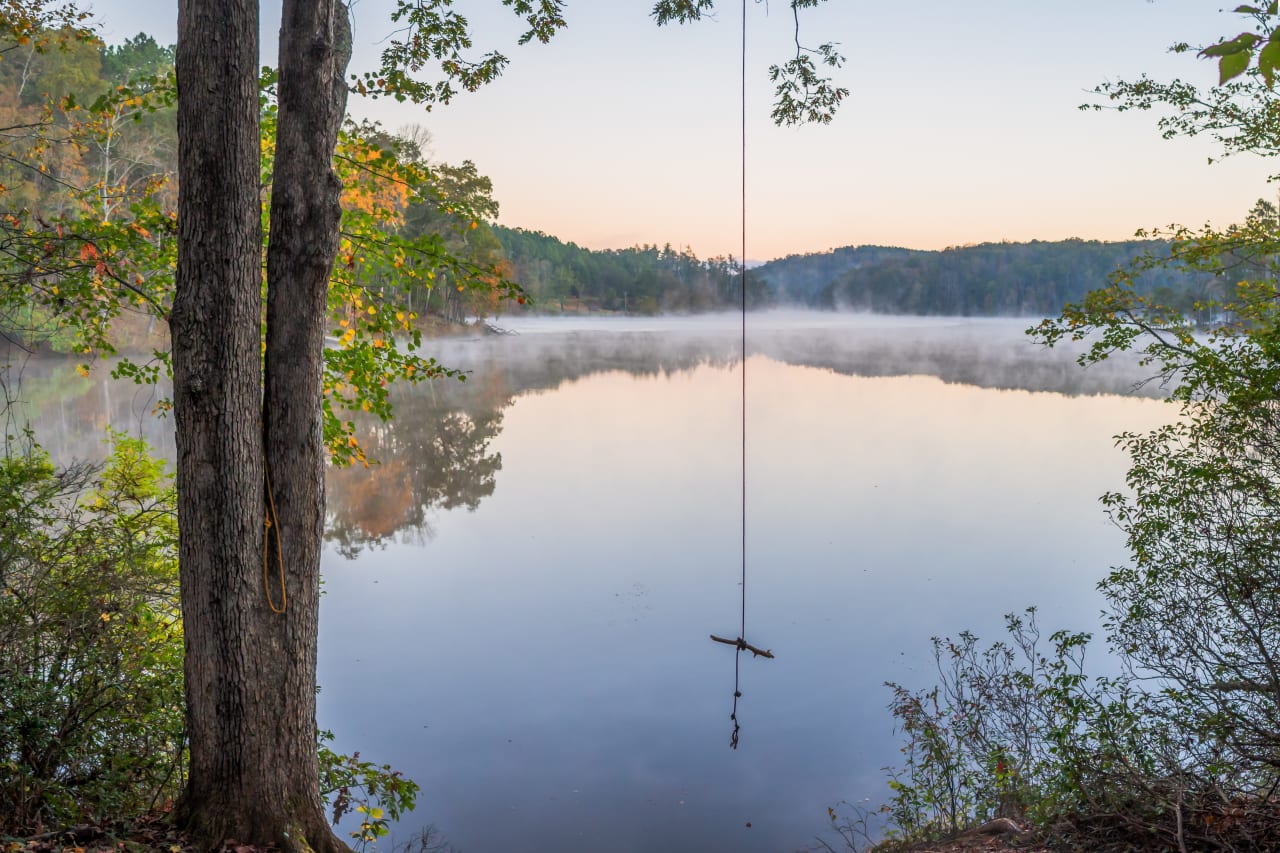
x: 1240, y: 44
x: 1232, y: 66
x: 1268, y: 61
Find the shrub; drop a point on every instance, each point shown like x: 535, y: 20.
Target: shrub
x: 377, y: 793
x: 91, y: 703
x: 91, y: 716
x: 999, y: 735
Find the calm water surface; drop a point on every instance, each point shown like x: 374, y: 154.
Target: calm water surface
x: 518, y: 599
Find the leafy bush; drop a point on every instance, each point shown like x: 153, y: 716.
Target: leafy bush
x: 989, y: 739
x: 91, y: 703
x: 1014, y: 731
x: 91, y: 718
x: 1182, y: 751
x: 375, y: 792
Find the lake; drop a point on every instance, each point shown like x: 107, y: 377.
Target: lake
x: 519, y: 598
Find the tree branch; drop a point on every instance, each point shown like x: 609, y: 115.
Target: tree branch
x: 744, y: 646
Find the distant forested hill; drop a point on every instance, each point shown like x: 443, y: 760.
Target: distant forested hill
x: 642, y: 279
x: 802, y: 278
x: 1035, y: 278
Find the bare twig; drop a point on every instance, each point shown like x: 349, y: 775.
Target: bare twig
x: 743, y: 645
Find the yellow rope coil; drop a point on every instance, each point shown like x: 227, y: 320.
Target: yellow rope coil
x: 270, y: 521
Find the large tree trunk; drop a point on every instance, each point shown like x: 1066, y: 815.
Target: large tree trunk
x: 217, y: 389
x: 315, y: 45
x: 250, y: 671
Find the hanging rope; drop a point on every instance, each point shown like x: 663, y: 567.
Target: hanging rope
x: 743, y: 210
x: 270, y: 522
x: 742, y: 625
x: 740, y: 643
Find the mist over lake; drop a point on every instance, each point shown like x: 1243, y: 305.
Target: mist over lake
x: 519, y: 596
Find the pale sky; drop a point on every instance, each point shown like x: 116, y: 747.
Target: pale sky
x: 962, y: 124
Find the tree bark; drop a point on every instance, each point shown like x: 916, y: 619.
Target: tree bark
x: 217, y: 380
x: 250, y: 671
x: 315, y: 46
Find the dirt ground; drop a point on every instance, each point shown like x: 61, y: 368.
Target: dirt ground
x: 979, y: 843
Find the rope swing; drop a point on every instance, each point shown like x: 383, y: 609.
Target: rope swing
x: 270, y: 521
x: 740, y: 644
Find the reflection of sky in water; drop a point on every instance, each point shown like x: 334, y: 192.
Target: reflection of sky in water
x: 541, y: 665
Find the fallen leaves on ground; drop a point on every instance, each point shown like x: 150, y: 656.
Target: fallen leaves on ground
x: 149, y: 835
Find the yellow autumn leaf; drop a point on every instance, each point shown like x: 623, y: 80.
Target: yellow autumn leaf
x: 83, y: 370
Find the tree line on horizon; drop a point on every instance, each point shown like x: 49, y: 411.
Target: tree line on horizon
x: 990, y: 279
x: 1005, y: 278
x: 562, y: 276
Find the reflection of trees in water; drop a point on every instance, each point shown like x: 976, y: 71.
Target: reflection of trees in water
x: 433, y: 456
x: 70, y: 414
x: 986, y: 355
x: 436, y: 454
